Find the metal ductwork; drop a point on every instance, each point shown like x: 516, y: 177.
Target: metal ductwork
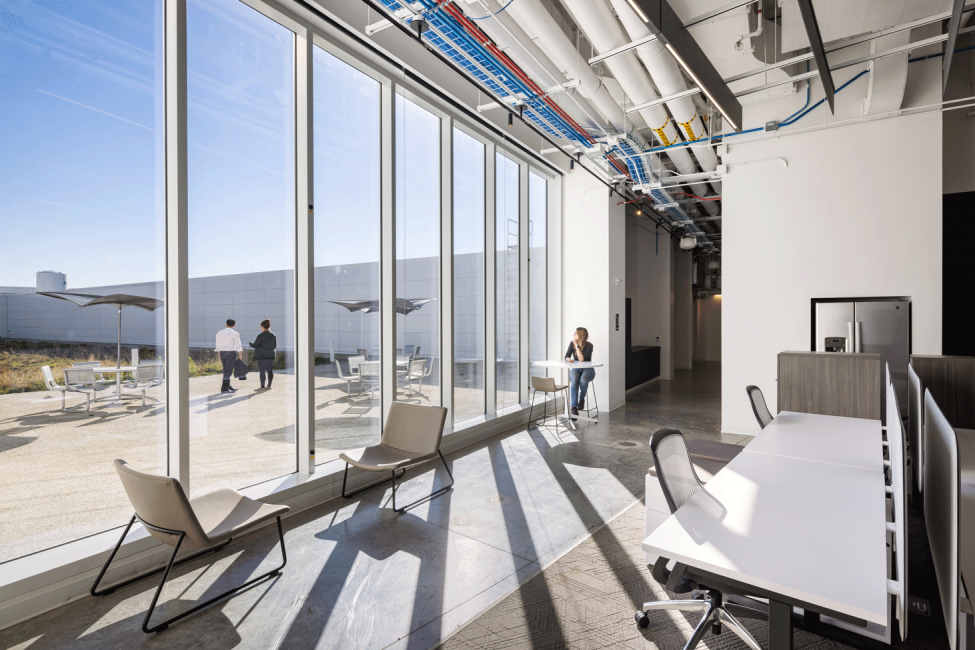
x: 604, y: 32
x: 667, y: 76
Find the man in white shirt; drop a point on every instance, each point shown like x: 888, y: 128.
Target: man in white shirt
x: 230, y: 350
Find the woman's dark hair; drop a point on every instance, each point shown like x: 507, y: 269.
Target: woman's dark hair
x: 231, y: 322
x: 266, y: 324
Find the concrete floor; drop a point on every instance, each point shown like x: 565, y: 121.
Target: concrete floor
x: 361, y: 576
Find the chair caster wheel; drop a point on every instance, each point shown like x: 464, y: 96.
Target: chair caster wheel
x: 642, y: 620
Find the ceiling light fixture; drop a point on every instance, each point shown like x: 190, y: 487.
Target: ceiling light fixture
x: 669, y: 30
x: 511, y: 119
x: 688, y: 241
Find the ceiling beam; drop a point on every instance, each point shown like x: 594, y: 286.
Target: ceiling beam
x: 819, y: 51
x: 661, y: 20
x: 954, y: 24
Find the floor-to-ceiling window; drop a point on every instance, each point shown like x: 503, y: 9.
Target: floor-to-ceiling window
x: 418, y: 178
x: 241, y: 189
x: 81, y: 210
x: 469, y: 214
x: 537, y: 271
x: 506, y: 226
x: 347, y: 252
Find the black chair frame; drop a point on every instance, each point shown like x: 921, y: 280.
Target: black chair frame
x: 393, y: 477
x: 180, y: 536
x: 531, y: 410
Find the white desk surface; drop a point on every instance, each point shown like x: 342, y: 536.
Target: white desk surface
x: 810, y: 531
x: 561, y: 363
x: 853, y: 442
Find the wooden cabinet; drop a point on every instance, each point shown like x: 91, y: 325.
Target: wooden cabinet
x: 830, y: 383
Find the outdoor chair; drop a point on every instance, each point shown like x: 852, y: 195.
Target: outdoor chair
x: 99, y: 377
x: 414, y: 373
x: 369, y: 376
x: 412, y: 435
x: 144, y: 377
x: 354, y: 363
x: 351, y: 377
x: 52, y: 385
x: 207, y: 522
x: 82, y: 380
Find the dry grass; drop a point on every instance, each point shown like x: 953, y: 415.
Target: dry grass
x: 21, y: 361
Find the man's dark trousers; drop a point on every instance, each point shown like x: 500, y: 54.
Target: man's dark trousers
x: 227, y: 359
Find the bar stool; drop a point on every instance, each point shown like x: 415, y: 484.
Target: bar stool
x: 546, y: 385
x: 591, y: 392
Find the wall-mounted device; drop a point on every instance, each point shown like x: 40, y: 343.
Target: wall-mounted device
x: 835, y: 344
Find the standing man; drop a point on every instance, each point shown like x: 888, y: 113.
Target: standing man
x: 230, y: 349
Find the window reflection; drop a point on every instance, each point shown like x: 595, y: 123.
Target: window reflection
x: 507, y: 271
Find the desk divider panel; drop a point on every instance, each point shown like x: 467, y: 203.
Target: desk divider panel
x: 941, y: 509
x: 830, y: 383
x: 898, y: 484
x: 915, y: 425
x: 951, y: 381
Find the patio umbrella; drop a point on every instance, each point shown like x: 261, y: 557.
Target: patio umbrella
x: 120, y: 300
x: 403, y: 306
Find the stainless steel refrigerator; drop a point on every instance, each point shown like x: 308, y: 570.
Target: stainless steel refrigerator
x: 869, y: 326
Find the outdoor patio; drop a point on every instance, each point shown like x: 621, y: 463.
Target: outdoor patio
x: 56, y: 471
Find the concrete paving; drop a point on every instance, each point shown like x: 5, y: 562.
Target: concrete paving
x: 362, y: 576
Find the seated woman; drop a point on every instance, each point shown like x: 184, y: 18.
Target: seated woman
x: 580, y: 349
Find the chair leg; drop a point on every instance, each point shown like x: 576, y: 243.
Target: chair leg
x: 94, y: 588
x: 531, y: 409
x: 739, y: 629
x: 231, y: 592
x: 433, y: 494
x: 345, y: 478
x: 701, y: 629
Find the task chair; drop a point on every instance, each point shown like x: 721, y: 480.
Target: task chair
x: 680, y: 483
x: 208, y: 523
x: 759, y: 408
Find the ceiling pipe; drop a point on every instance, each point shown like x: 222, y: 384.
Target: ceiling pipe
x: 666, y: 74
x: 513, y: 41
x: 604, y: 32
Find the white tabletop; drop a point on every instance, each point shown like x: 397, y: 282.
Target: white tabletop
x: 119, y: 369
x: 822, y: 438
x: 808, y: 531
x: 560, y: 363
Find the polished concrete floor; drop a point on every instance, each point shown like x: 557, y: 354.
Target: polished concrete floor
x: 361, y: 576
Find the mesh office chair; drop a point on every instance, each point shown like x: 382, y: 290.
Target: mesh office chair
x: 762, y: 414
x: 680, y: 483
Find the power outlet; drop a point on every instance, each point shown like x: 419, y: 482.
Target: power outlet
x: 917, y: 605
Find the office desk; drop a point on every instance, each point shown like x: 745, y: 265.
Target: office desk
x: 853, y: 442
x: 800, y: 533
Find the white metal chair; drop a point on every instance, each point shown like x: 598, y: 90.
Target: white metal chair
x: 82, y: 380
x: 351, y: 377
x: 369, y: 376
x: 54, y: 386
x: 414, y: 373
x: 145, y: 377
x: 354, y: 363
x: 99, y: 377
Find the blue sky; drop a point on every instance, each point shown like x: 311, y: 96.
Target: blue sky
x: 81, y: 150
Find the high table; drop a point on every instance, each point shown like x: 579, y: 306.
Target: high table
x: 793, y: 523
x: 565, y: 365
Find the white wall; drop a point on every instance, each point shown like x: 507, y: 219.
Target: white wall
x: 650, y: 286
x: 856, y: 213
x: 708, y: 329
x: 683, y: 310
x: 595, y: 279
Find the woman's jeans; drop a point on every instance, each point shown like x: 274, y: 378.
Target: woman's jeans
x: 266, y: 367
x: 579, y: 379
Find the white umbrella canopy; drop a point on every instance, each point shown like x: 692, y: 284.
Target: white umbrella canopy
x: 119, y: 300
